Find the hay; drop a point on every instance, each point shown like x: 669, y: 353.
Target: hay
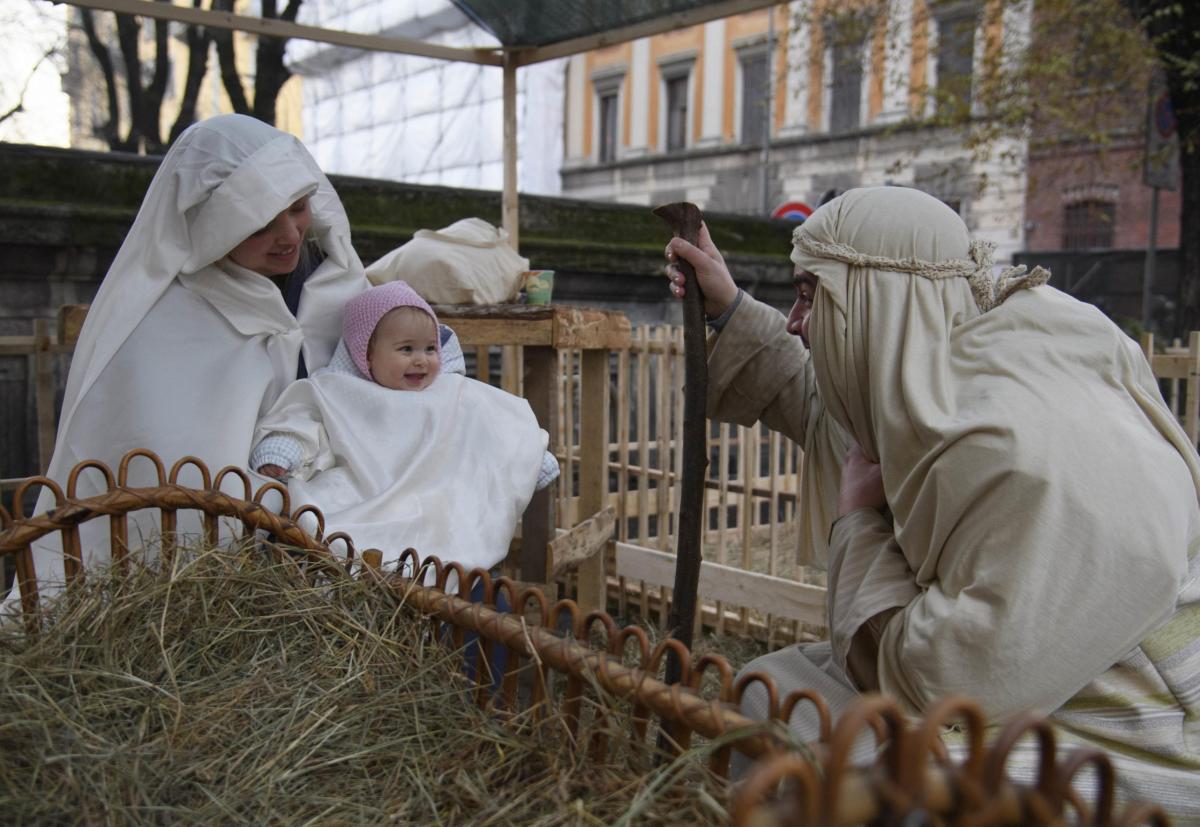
x: 231, y: 691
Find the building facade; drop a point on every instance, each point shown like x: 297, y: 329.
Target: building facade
x: 420, y: 120
x: 795, y: 103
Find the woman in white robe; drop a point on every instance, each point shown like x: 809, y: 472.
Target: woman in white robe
x: 183, y: 348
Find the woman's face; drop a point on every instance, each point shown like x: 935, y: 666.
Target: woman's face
x: 798, y: 320
x: 275, y: 249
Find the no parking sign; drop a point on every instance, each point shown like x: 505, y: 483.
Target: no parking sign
x: 792, y: 211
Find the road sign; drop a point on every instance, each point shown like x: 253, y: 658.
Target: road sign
x: 1162, y: 139
x: 792, y: 211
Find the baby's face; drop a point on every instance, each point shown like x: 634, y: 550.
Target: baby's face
x: 403, y: 352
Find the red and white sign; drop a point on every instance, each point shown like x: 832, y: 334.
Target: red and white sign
x: 796, y: 211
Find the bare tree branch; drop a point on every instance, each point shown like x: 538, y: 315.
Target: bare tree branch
x: 110, y: 130
x: 227, y: 59
x: 198, y: 42
x: 19, y: 106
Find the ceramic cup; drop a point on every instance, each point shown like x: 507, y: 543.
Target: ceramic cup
x: 539, y: 284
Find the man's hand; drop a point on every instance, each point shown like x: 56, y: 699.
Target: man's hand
x: 273, y: 471
x: 715, y: 281
x: 862, y: 484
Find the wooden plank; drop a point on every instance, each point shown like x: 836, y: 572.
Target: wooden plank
x: 70, y: 322
x: 560, y: 326
x: 509, y: 207
x: 622, y: 494
x: 582, y: 542
x: 752, y: 590
x: 274, y: 27
x: 566, y: 364
x: 480, y: 332
x: 593, y: 468
x: 643, y: 433
x: 541, y: 379
x: 43, y: 368
x: 590, y: 329
x: 1171, y: 367
x: 1191, y: 413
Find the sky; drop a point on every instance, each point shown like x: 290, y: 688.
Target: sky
x: 28, y: 30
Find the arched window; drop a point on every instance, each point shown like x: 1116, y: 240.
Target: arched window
x: 1089, y: 224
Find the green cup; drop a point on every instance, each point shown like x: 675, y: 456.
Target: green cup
x: 539, y: 285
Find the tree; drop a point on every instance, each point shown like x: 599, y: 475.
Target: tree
x: 31, y: 54
x: 136, y: 85
x: 1173, y: 32
x: 1076, y: 79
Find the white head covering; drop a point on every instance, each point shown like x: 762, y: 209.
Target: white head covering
x: 1027, y: 457
x: 223, y: 179
x: 180, y: 356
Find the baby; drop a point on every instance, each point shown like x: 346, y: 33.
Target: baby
x: 398, y: 452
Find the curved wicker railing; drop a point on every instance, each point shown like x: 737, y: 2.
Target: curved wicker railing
x: 912, y: 778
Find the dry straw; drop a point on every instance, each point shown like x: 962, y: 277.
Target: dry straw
x: 228, y: 690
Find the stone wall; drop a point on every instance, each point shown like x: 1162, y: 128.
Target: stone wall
x: 64, y: 213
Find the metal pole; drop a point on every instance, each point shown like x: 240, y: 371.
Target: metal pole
x: 1148, y: 272
x: 510, y: 214
x: 768, y: 107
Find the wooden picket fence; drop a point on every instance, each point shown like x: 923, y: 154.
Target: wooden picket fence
x: 751, y: 583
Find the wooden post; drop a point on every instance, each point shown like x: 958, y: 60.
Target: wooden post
x: 593, y: 468
x: 684, y: 219
x: 541, y: 372
x: 43, y: 362
x: 1191, y: 416
x: 511, y: 216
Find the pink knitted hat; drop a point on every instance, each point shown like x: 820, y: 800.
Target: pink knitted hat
x: 363, y: 312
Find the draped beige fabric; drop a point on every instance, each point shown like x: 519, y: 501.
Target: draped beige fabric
x: 1044, y: 498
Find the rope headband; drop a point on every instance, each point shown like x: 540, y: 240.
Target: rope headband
x: 988, y: 292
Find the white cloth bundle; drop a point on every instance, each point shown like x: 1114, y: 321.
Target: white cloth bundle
x: 447, y: 470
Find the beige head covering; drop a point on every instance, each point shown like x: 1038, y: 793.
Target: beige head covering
x: 1027, y: 457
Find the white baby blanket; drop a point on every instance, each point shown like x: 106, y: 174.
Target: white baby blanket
x: 447, y: 470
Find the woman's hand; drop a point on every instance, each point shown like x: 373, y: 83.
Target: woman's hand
x: 275, y: 472
x: 715, y: 281
x: 862, y: 484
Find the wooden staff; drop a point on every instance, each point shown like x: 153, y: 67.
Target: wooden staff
x: 684, y: 219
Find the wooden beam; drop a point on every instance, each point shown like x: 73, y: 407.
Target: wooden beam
x: 593, y: 470
x: 508, y: 204
x: 582, y: 542
x: 658, y: 25
x: 762, y: 592
x: 267, y: 27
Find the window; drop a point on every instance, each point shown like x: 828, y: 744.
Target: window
x: 754, y: 97
x: 677, y: 111
x: 846, y: 35
x: 607, y: 151
x: 955, y: 57
x: 1089, y: 225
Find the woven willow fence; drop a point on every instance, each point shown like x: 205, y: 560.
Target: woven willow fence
x: 912, y: 778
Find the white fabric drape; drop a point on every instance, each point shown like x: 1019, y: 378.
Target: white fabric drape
x: 1043, y: 496
x: 182, y: 352
x: 447, y: 470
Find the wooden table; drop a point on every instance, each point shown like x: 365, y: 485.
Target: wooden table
x: 543, y: 331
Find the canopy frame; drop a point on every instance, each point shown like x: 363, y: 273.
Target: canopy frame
x: 508, y: 58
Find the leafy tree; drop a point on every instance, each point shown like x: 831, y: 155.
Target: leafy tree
x: 141, y: 82
x: 1172, y: 30
x: 1077, y: 79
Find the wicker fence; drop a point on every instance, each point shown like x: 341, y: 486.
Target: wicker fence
x: 571, y: 658
x: 751, y: 583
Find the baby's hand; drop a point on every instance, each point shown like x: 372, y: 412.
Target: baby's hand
x: 274, y: 471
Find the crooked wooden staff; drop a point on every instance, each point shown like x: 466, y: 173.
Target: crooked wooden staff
x: 684, y: 219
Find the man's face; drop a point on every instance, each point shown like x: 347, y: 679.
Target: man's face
x: 806, y: 287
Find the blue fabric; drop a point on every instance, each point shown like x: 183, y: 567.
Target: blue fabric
x: 498, y: 660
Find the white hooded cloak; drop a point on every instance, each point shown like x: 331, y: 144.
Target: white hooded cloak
x: 183, y: 351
